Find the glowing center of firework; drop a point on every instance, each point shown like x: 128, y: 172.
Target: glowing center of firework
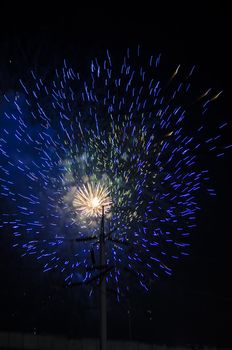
x: 90, y: 198
x: 95, y: 202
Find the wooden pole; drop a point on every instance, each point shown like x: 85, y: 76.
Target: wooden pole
x: 103, y: 311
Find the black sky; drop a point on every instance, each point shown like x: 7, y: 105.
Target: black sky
x: 195, y: 305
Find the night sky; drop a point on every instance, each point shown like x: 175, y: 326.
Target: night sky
x: 194, y: 306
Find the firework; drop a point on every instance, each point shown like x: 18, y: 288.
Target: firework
x: 120, y: 138
x: 90, y: 199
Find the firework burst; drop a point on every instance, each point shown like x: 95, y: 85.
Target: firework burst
x: 122, y: 127
x: 90, y: 199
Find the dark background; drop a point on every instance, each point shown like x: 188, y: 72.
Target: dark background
x: 194, y: 306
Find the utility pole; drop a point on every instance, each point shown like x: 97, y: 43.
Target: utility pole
x: 103, y: 312
x: 104, y: 269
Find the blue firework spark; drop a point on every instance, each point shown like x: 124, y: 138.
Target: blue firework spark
x: 121, y: 126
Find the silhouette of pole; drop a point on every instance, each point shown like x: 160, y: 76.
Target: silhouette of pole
x: 103, y: 321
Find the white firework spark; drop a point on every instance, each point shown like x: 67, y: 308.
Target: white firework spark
x: 90, y: 198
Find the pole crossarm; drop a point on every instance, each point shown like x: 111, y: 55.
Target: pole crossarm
x: 94, y: 278
x: 85, y: 239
